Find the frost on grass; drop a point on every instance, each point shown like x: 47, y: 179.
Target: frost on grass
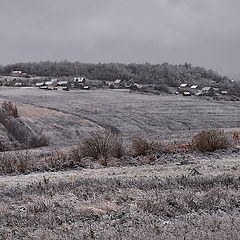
x: 184, y: 207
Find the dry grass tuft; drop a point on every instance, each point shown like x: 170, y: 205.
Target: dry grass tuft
x: 17, y: 162
x: 211, y: 140
x: 102, y: 144
x: 143, y: 147
x: 181, y: 147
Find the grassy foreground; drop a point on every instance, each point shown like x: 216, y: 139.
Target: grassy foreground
x: 187, y: 206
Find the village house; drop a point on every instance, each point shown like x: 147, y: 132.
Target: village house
x: 194, y: 89
x: 118, y: 83
x: 224, y: 92
x: 51, y: 85
x: 39, y: 84
x: 136, y: 85
x: 108, y: 83
x: 17, y: 74
x: 216, y: 90
x: 186, y: 94
x: 183, y: 88
x: 81, y: 80
x: 63, y: 85
x: 18, y: 84
x: 208, y: 91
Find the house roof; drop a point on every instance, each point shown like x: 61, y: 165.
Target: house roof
x: 62, y: 83
x: 117, y: 81
x: 199, y: 93
x: 184, y: 85
x: 48, y: 82
x: 194, y: 86
x: 79, y: 79
x: 39, y: 84
x: 206, y: 88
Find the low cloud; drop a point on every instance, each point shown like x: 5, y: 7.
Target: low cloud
x: 202, y: 32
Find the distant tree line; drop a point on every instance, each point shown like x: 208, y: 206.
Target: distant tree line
x: 171, y: 75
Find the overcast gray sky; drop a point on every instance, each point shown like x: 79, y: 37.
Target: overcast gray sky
x: 202, y: 32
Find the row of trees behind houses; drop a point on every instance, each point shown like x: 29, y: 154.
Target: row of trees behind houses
x: 168, y: 74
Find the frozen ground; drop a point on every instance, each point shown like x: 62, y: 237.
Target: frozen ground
x: 146, y: 202
x: 168, y: 117
x: 180, y: 196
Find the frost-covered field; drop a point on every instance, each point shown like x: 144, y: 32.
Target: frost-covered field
x: 168, y: 117
x: 167, y: 201
x: 178, y: 195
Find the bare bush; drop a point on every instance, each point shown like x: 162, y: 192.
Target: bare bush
x: 10, y: 109
x: 143, y: 147
x: 59, y: 160
x: 211, y: 140
x: 23, y: 159
x: 17, y: 162
x: 38, y: 141
x: 75, y: 154
x: 102, y: 144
